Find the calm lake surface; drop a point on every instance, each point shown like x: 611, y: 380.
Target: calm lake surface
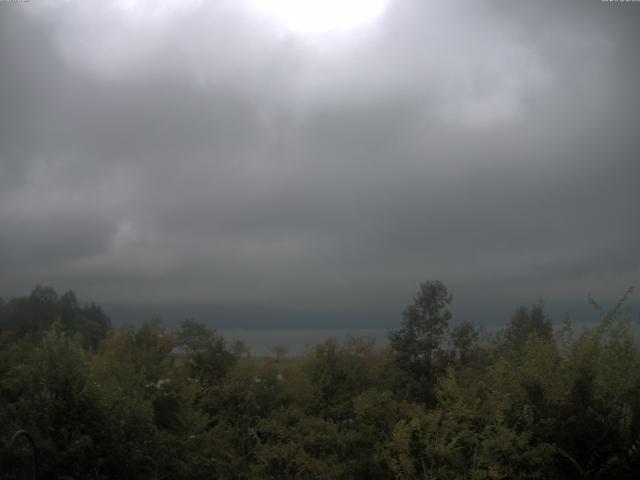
x: 297, y: 342
x: 260, y: 342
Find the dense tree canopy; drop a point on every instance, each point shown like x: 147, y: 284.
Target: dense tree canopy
x: 418, y: 344
x: 526, y: 322
x: 153, y: 403
x: 32, y: 316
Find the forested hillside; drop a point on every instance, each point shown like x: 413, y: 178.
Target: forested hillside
x: 441, y: 402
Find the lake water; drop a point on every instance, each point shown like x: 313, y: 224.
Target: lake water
x: 297, y: 342
x: 260, y: 342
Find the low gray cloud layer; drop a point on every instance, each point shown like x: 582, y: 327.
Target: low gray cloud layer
x: 195, y: 152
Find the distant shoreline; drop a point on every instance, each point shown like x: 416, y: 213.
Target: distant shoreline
x: 297, y: 341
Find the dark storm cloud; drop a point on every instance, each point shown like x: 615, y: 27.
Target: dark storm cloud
x: 202, y: 155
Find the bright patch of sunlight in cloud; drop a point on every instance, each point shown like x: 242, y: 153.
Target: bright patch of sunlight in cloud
x: 309, y: 16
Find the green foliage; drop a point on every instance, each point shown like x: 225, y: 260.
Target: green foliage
x: 464, y: 339
x: 338, y: 375
x: 524, y: 323
x: 207, y: 359
x: 148, y: 403
x: 31, y: 316
x: 295, y: 445
x: 48, y: 390
x: 418, y: 343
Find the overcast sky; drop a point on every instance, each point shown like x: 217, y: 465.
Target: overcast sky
x: 213, y: 152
